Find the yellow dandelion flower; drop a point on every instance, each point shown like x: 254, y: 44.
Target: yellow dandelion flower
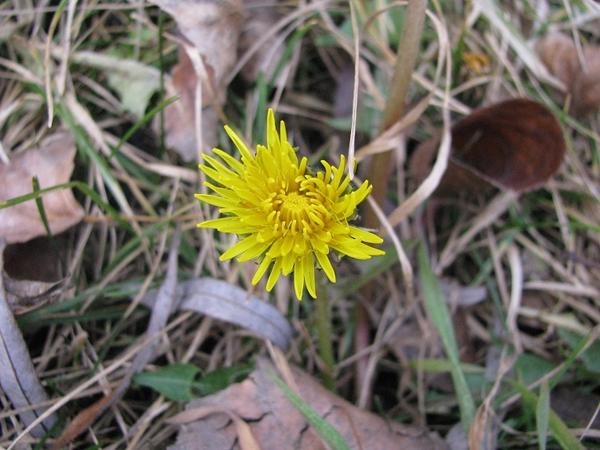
x: 288, y: 218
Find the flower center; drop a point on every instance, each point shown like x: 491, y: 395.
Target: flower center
x: 299, y: 209
x: 294, y: 206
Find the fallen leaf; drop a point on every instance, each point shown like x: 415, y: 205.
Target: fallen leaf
x: 232, y: 304
x: 476, y: 62
x: 180, y: 117
x: 514, y: 145
x: 18, y: 378
x: 212, y: 28
x: 275, y: 424
x: 579, y: 73
x: 459, y: 295
x: 52, y: 164
x: 261, y: 15
x: 134, y: 81
x: 84, y: 420
x: 34, y: 273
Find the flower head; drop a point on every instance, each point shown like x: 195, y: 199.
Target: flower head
x: 288, y: 218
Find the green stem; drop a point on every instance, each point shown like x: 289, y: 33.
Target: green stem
x: 323, y: 320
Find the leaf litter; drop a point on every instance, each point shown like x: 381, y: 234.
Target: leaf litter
x: 577, y: 68
x: 211, y: 32
x: 252, y: 409
x: 18, y: 378
x: 214, y: 322
x: 52, y: 163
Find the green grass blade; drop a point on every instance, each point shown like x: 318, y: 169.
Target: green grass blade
x: 143, y: 121
x: 542, y: 415
x: 40, y: 206
x: 327, y: 432
x: 84, y: 188
x: 556, y: 426
x: 98, y: 160
x: 436, y: 307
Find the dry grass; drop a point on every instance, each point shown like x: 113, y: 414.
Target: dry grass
x: 537, y: 255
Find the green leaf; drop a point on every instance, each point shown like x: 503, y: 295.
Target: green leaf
x: 221, y: 378
x: 438, y: 312
x: 532, y: 367
x: 323, y: 428
x: 474, y: 375
x: 175, y: 381
x: 134, y: 81
x: 178, y: 381
x: 557, y: 427
x: 542, y: 415
x: 591, y: 356
x: 438, y: 365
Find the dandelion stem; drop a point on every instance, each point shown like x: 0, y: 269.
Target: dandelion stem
x: 323, y: 319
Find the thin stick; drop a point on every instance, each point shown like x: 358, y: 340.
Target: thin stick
x: 394, y: 108
x: 378, y: 172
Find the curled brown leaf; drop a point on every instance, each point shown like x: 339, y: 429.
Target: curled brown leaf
x: 515, y: 145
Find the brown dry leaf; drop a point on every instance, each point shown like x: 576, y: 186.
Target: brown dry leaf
x: 83, y: 420
x: 514, y: 145
x: 276, y: 424
x: 179, y: 117
x: 261, y: 15
x: 34, y: 273
x: 213, y: 29
x: 581, y: 76
x: 52, y: 163
x: 19, y: 382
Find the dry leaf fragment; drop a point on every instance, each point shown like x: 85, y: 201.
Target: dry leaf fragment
x: 213, y: 29
x: 514, y: 145
x: 134, y: 81
x: 232, y: 304
x: 581, y: 75
x: 18, y: 378
x: 52, y: 164
x: 34, y: 273
x: 261, y: 15
x: 180, y: 120
x: 276, y: 424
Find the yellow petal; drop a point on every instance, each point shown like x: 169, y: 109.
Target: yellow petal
x: 309, y: 274
x: 326, y: 266
x: 239, y: 247
x: 239, y: 144
x: 274, y: 275
x: 365, y: 236
x: 261, y: 270
x: 299, y: 280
